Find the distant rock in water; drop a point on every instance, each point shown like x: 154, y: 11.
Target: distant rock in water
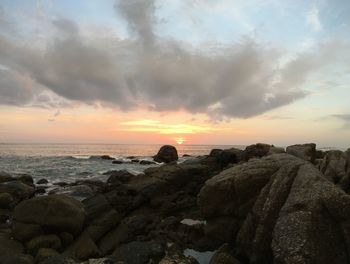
x: 167, y: 153
x: 106, y: 157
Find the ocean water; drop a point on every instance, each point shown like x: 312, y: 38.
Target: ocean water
x: 69, y: 162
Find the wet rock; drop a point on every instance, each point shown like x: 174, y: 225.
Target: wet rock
x: 215, y: 152
x: 23, y: 232
x: 59, y: 259
x: 78, y: 192
x: 138, y: 252
x: 304, y: 151
x: 119, y: 176
x: 117, y: 162
x: 106, y: 157
x: 147, y: 162
x: 54, y: 211
x: 44, y: 241
x: 45, y: 253
x: 17, y: 259
x: 224, y: 255
x: 26, y: 179
x: 42, y: 181
x: 166, y: 154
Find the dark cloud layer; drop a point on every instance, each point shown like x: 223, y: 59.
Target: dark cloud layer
x: 241, y: 80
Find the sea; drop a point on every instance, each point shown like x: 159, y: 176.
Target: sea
x: 71, y: 162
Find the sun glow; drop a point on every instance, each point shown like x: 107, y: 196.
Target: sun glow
x: 180, y: 141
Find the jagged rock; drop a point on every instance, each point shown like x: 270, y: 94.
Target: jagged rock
x: 54, y: 211
x: 224, y: 256
x: 45, y: 253
x: 304, y: 151
x: 44, y: 241
x: 23, y: 232
x: 138, y: 252
x: 335, y: 166
x: 166, y: 154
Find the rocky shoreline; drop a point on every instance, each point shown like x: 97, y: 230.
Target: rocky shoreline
x: 259, y: 205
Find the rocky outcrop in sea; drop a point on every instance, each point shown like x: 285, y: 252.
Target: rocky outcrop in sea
x: 259, y: 205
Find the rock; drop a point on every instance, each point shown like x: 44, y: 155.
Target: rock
x: 66, y: 238
x: 233, y: 191
x: 44, y: 241
x: 23, y: 232
x: 186, y: 155
x: 147, y: 162
x: 215, y: 152
x: 177, y: 258
x: 45, y: 253
x: 335, y: 167
x: 106, y: 157
x: 55, y: 211
x: 304, y: 151
x: 119, y: 176
x: 178, y: 175
x: 5, y: 177
x: 298, y: 217
x: 224, y: 256
x: 6, y: 200
x: 117, y: 162
x: 17, y: 189
x: 95, y: 206
x: 83, y: 248
x: 104, y: 223
x: 166, y: 154
x: 78, y: 192
x: 42, y: 181
x: 222, y: 229
x: 17, y: 259
x: 256, y: 151
x: 9, y: 247
x: 138, y: 252
x: 26, y: 179
x: 113, y: 238
x: 59, y: 259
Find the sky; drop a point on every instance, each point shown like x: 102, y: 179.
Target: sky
x: 175, y: 71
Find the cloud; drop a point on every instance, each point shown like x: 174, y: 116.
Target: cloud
x: 243, y: 79
x: 313, y: 19
x: 345, y: 117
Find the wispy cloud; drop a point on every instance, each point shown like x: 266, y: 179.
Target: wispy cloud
x: 313, y: 19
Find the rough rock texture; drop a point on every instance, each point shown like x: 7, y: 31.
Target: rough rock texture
x: 299, y: 217
x: 166, y: 154
x: 336, y: 167
x: 56, y: 211
x: 304, y: 151
x: 224, y: 256
x: 256, y: 151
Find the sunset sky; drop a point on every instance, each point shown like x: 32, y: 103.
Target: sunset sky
x: 167, y: 71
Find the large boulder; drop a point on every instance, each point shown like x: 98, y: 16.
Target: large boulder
x: 304, y: 151
x: 335, y: 167
x: 227, y: 156
x: 12, y: 252
x: 166, y: 154
x: 298, y: 217
x: 17, y: 189
x: 256, y: 151
x: 58, y: 212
